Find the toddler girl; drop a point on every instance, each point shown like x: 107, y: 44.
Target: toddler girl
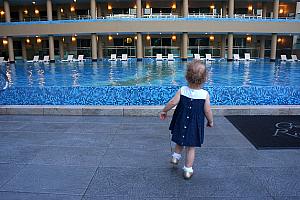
x: 187, y: 125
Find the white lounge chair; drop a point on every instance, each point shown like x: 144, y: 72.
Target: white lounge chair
x: 159, y: 57
x: 284, y: 58
x: 45, y: 60
x: 248, y: 58
x: 124, y: 57
x: 197, y: 56
x: 35, y: 59
x: 2, y: 60
x: 113, y: 57
x: 69, y: 59
x: 170, y: 57
x: 294, y: 58
x: 236, y: 57
x: 208, y: 57
x: 80, y: 58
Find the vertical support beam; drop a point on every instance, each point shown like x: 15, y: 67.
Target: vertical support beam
x: 224, y: 9
x: 185, y: 8
x: 24, y: 53
x: 276, y: 9
x: 184, y: 46
x: 61, y: 48
x: 231, y: 8
x: 21, y: 15
x: 262, y: 47
x: 99, y: 10
x: 58, y: 14
x: 6, y: 10
x: 100, y: 48
x: 11, y: 54
x: 264, y: 10
x: 273, y: 47
x: 51, y: 49
x: 49, y: 10
x: 138, y: 8
x: 223, y: 46
x: 93, y: 9
x: 230, y: 47
x: 94, y: 47
x: 139, y: 47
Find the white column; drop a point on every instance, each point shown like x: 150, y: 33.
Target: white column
x: 275, y: 9
x: 6, y: 10
x: 51, y: 49
x: 184, y: 46
x: 185, y: 8
x: 93, y: 9
x: 11, y: 54
x: 231, y: 8
x: 138, y: 8
x: 49, y: 10
x: 139, y: 47
x: 273, y: 47
x: 230, y: 47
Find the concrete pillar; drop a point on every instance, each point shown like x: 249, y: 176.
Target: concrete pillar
x: 58, y: 14
x: 185, y: 8
x: 223, y: 46
x: 139, y: 47
x: 184, y: 46
x: 231, y: 8
x: 138, y: 8
x: 224, y: 9
x: 51, y: 49
x: 275, y: 9
x: 11, y: 54
x: 94, y: 47
x: 49, y: 10
x: 61, y: 48
x: 264, y: 10
x: 6, y: 10
x: 262, y: 47
x: 21, y: 15
x: 230, y: 47
x: 24, y: 53
x: 93, y: 9
x: 273, y: 47
x: 100, y: 47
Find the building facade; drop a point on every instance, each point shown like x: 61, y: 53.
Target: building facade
x: 141, y: 29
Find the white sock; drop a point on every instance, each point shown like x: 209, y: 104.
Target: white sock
x: 188, y: 169
x: 176, y: 155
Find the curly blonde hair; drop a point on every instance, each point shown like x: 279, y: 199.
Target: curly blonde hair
x: 196, y: 72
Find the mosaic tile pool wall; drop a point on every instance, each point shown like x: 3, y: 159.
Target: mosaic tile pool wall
x: 145, y: 95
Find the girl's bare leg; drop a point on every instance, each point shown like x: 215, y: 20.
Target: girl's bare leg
x: 178, y: 149
x: 190, y: 156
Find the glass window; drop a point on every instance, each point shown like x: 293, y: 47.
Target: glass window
x: 155, y: 42
x: 118, y: 41
x: 82, y: 12
x: 166, y: 42
x: 161, y: 10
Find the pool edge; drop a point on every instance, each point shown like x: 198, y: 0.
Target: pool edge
x: 141, y: 110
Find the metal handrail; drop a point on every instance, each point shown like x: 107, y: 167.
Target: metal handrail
x: 2, y: 74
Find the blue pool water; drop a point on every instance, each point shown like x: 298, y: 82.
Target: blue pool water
x: 148, y: 83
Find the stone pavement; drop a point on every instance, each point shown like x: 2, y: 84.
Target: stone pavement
x: 76, y: 157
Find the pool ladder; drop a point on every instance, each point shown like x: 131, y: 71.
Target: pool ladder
x: 3, y: 81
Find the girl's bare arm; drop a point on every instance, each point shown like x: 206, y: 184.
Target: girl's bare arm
x: 208, y: 112
x: 171, y: 104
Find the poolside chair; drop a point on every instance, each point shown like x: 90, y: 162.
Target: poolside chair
x: 208, y: 57
x: 2, y: 60
x: 45, y: 60
x: 113, y: 57
x: 35, y: 59
x: 159, y: 57
x: 170, y: 57
x: 284, y: 58
x: 124, y: 57
x: 197, y: 56
x: 69, y: 59
x: 236, y: 57
x: 294, y: 58
x: 248, y: 58
x: 80, y: 58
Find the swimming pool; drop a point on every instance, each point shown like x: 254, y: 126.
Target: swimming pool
x: 148, y: 83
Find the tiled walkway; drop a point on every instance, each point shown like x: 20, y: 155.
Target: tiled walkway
x: 65, y: 157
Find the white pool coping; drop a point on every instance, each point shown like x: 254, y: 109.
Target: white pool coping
x: 81, y: 110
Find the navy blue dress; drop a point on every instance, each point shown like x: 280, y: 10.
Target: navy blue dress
x: 187, y: 125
